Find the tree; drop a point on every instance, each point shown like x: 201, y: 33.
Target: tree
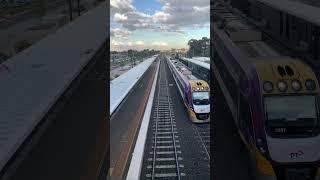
x: 205, y: 43
x: 131, y: 56
x: 199, y: 47
x: 192, y: 47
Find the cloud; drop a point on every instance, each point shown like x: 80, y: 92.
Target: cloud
x: 160, y: 16
x: 120, y: 33
x: 119, y: 45
x: 139, y: 43
x: 171, y: 19
x: 203, y: 9
x: 125, y: 45
x: 121, y: 5
x: 137, y: 20
x: 116, y: 43
x: 160, y: 43
x: 199, y: 26
x: 120, y: 18
x: 185, y: 14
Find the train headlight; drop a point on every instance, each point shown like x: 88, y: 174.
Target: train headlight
x: 310, y: 85
x: 296, y: 85
x: 282, y: 86
x: 268, y: 86
x: 262, y: 150
x: 260, y: 145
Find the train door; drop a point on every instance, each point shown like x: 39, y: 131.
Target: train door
x: 245, y: 118
x: 186, y: 98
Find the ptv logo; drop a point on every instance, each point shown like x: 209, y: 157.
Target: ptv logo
x: 296, y: 154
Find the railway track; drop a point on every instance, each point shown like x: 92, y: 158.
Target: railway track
x: 202, y: 132
x: 164, y: 161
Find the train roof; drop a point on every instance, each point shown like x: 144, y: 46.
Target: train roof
x: 296, y: 8
x: 257, y: 49
x: 280, y: 60
x: 201, y: 63
x: 183, y: 70
x: 188, y: 76
x: 246, y: 37
x: 203, y: 59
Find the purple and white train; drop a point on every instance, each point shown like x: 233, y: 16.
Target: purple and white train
x: 273, y: 98
x: 195, y: 92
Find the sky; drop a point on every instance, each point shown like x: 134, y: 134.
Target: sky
x: 157, y: 24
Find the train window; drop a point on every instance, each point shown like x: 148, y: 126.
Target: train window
x: 291, y: 115
x: 200, y: 98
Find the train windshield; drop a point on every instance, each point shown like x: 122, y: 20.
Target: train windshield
x: 291, y: 115
x: 200, y: 98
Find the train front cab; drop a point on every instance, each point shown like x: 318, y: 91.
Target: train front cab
x: 199, y: 101
x: 286, y: 142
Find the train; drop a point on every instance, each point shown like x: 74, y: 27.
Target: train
x: 195, y: 92
x: 200, y: 68
x: 294, y: 23
x: 273, y: 98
